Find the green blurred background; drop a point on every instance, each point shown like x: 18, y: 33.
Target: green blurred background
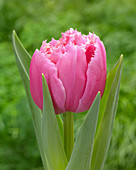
x: 36, y: 20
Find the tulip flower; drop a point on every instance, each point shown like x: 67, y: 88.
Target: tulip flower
x: 75, y: 70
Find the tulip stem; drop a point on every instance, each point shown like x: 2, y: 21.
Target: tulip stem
x: 68, y: 123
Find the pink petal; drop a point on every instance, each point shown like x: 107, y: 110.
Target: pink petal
x: 96, y: 78
x: 41, y: 64
x: 72, y: 72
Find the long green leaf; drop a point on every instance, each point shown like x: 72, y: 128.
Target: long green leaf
x: 50, y: 132
x: 81, y: 155
x: 23, y: 62
x: 107, y: 113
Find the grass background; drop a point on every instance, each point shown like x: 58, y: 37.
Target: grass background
x: 37, y: 20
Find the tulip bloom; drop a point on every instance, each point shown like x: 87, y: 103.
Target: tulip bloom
x: 75, y: 70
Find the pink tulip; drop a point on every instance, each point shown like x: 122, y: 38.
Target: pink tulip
x: 75, y: 70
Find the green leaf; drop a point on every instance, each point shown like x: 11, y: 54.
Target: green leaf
x: 81, y: 155
x: 108, y: 107
x: 23, y: 62
x: 53, y: 146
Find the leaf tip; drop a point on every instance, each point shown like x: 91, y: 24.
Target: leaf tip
x: 44, y: 83
x: 98, y: 94
x: 14, y: 32
x: 121, y: 57
x: 14, y: 38
x: 43, y: 78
